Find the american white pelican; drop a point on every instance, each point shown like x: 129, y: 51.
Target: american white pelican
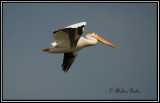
x: 69, y: 42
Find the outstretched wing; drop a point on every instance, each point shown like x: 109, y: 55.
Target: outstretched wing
x: 68, y: 60
x: 69, y: 35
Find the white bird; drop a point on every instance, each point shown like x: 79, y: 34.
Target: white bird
x: 69, y: 42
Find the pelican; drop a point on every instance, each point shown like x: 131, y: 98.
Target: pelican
x: 69, y: 42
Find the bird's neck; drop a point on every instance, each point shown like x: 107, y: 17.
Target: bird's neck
x: 87, y: 42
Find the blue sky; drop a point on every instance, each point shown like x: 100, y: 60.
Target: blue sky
x: 29, y: 73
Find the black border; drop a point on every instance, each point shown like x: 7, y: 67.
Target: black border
x: 47, y: 100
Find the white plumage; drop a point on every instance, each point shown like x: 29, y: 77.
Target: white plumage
x: 69, y: 42
x: 76, y: 25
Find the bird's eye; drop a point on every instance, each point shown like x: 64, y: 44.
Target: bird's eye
x: 92, y: 34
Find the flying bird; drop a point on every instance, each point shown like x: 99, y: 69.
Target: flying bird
x: 69, y: 42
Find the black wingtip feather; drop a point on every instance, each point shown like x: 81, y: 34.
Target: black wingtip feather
x: 68, y: 60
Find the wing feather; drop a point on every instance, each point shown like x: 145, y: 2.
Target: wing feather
x: 69, y: 35
x: 68, y: 60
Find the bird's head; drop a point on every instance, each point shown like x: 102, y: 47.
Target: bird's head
x: 95, y: 36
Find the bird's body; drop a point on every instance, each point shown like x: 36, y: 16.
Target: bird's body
x: 69, y: 42
x: 60, y: 48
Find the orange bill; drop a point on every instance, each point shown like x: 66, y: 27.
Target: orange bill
x: 103, y: 41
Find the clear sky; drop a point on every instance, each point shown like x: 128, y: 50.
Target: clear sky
x: 98, y: 72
